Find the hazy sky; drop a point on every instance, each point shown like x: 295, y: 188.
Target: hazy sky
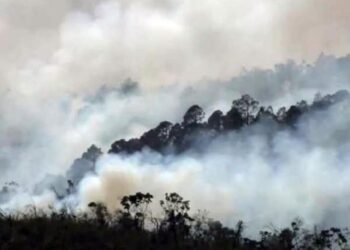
x: 51, y: 47
x: 55, y: 53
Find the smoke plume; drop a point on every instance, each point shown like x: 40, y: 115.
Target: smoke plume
x: 65, y: 84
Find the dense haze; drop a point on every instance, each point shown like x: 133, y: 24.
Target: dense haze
x: 64, y: 85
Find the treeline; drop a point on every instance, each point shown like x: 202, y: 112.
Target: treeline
x: 169, y: 138
x: 179, y: 137
x: 134, y: 226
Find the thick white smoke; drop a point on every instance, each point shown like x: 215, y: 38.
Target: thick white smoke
x: 259, y: 175
x: 55, y: 56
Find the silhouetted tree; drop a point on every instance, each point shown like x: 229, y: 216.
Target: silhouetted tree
x: 216, y: 120
x: 247, y: 107
x: 265, y: 113
x: 84, y: 165
x: 177, y: 220
x: 233, y: 119
x: 194, y: 115
x: 65, y: 230
x: 281, y: 114
x: 136, y: 207
x: 292, y: 115
x: 158, y: 138
x: 100, y: 211
x: 245, y: 111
